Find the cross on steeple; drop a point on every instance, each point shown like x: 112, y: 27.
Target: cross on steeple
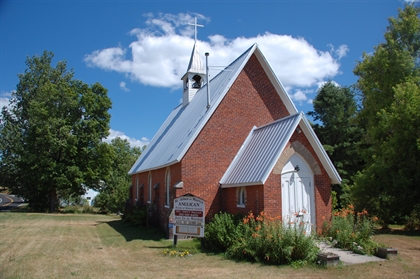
x: 195, y: 28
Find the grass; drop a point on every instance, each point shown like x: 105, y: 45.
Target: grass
x: 97, y: 246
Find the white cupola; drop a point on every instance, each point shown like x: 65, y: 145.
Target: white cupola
x: 195, y: 77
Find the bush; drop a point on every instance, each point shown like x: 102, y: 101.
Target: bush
x: 76, y: 209
x: 413, y: 221
x: 351, y: 231
x: 136, y: 217
x: 261, y: 239
x: 269, y: 240
x: 220, y: 233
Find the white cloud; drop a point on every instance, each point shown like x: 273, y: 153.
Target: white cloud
x: 3, y: 102
x: 340, y: 52
x: 299, y: 96
x: 160, y: 55
x: 5, y: 98
x: 123, y: 86
x: 132, y: 141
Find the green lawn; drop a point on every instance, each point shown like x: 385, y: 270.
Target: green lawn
x: 37, y: 245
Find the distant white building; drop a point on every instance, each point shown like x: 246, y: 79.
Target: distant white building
x: 90, y: 196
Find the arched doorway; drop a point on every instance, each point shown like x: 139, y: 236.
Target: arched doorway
x: 297, y: 192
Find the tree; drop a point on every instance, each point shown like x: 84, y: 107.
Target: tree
x: 389, y: 80
x: 115, y: 192
x: 51, y: 132
x: 335, y: 111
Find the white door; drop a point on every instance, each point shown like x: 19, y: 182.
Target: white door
x: 298, y: 202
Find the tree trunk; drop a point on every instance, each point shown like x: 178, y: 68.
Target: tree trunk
x: 52, y: 200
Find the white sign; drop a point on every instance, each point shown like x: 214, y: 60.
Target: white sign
x: 189, y: 216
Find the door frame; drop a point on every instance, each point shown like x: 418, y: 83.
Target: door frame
x: 297, y: 164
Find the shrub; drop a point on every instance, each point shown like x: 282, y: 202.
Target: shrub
x: 413, y: 221
x: 76, y: 209
x: 261, y: 239
x: 351, y: 231
x: 136, y: 217
x: 268, y: 240
x: 220, y: 233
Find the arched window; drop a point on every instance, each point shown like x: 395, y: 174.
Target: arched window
x: 167, y: 187
x: 241, y: 197
x: 137, y: 188
x: 149, y: 197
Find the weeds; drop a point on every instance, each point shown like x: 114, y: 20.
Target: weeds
x: 76, y: 209
x: 351, y: 231
x: 262, y: 239
x: 413, y: 221
x: 175, y: 253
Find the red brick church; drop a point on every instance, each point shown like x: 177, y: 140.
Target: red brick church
x: 239, y: 143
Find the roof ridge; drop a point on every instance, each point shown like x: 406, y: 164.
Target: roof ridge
x: 279, y: 120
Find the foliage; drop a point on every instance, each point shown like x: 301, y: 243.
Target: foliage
x: 221, y: 232
x: 78, y: 209
x: 136, y: 217
x: 351, y: 231
x: 263, y: 239
x: 389, y: 82
x: 115, y: 191
x: 413, y: 221
x: 50, y: 134
x: 335, y: 112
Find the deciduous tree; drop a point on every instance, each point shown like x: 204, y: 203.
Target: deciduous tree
x: 51, y: 132
x: 389, y: 82
x: 116, y: 188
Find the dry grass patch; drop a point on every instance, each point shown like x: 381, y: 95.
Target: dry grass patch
x: 99, y: 246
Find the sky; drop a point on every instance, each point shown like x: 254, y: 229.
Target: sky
x: 139, y: 50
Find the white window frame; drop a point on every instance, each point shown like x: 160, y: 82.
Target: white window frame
x: 149, y: 194
x: 137, y: 188
x: 167, y: 187
x: 241, y: 197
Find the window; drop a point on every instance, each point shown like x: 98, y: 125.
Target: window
x: 137, y: 188
x: 149, y: 198
x: 240, y: 197
x: 167, y: 187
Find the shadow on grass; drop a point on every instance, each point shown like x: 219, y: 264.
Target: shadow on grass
x: 398, y: 232
x: 131, y: 233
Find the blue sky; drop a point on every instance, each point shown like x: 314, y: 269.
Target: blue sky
x: 139, y: 50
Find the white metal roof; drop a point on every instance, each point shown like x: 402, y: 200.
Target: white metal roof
x: 260, y: 152
x: 264, y: 146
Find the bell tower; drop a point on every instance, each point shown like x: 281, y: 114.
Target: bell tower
x: 195, y: 77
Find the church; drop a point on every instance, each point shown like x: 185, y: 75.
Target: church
x: 237, y: 142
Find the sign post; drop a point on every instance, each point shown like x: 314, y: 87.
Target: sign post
x: 189, y: 219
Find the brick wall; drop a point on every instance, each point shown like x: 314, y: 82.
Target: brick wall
x: 254, y: 200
